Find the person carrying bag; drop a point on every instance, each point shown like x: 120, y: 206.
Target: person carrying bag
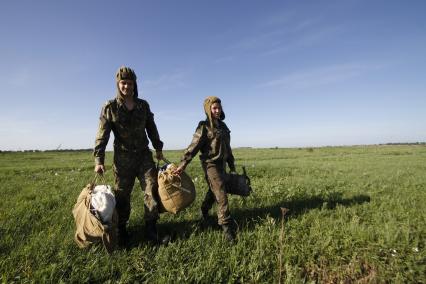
x: 212, y: 138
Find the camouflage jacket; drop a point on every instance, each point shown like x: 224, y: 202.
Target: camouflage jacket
x: 130, y: 128
x: 214, y: 145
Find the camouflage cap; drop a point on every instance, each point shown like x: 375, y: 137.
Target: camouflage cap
x: 207, y: 108
x: 125, y: 73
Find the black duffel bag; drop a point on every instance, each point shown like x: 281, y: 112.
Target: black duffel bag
x: 238, y: 184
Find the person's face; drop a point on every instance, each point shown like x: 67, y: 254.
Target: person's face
x: 126, y: 87
x: 216, y: 110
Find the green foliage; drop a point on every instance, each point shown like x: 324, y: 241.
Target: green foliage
x: 356, y: 214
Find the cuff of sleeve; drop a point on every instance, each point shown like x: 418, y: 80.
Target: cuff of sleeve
x: 158, y: 146
x: 183, y: 164
x: 99, y: 161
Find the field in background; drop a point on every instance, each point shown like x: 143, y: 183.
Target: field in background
x: 356, y: 214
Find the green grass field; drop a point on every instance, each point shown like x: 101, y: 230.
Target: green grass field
x: 357, y: 214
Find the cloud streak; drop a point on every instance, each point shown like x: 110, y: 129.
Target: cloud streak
x: 320, y: 76
x: 307, y: 39
x: 167, y: 81
x: 282, y: 33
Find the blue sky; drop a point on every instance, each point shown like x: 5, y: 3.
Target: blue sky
x: 289, y: 73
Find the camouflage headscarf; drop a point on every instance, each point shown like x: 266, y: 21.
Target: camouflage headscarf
x: 207, y: 109
x: 126, y: 73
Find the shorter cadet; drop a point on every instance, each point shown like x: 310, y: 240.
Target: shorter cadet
x: 212, y: 139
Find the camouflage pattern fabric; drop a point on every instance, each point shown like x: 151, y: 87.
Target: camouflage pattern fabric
x: 132, y: 157
x: 127, y: 167
x: 212, y: 138
x: 130, y: 128
x: 215, y: 176
x: 214, y: 145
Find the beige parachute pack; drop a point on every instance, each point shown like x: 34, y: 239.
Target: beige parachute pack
x: 90, y: 228
x: 176, y: 192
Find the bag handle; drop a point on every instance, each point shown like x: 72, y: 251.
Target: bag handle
x: 100, y: 176
x: 167, y: 161
x: 247, y: 177
x: 164, y: 160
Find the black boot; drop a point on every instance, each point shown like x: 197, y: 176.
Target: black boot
x: 151, y: 231
x: 204, y: 221
x: 229, y: 232
x: 151, y: 234
x: 205, y: 213
x: 123, y: 235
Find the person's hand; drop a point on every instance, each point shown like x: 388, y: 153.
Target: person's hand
x: 159, y: 155
x: 100, y: 169
x: 179, y: 171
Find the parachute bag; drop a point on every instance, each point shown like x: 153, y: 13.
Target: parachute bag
x: 95, y: 220
x: 176, y: 192
x: 238, y: 184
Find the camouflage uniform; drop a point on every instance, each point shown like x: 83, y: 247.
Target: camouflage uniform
x: 132, y: 157
x: 213, y: 141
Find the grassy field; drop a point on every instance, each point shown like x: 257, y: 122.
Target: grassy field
x: 357, y: 214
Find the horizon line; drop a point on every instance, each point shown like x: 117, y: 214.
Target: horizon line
x: 234, y: 148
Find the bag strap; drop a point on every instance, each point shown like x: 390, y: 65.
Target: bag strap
x: 98, y: 176
x: 247, y: 177
x: 167, y: 161
x: 164, y: 160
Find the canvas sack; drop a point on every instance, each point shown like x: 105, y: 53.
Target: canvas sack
x: 176, y: 192
x: 89, y: 228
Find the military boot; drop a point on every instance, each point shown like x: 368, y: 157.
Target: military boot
x: 123, y: 235
x: 229, y: 232
x: 204, y: 218
x: 152, y: 236
x: 151, y: 231
x: 205, y: 213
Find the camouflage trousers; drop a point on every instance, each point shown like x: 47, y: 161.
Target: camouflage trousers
x: 215, y: 176
x: 127, y: 167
